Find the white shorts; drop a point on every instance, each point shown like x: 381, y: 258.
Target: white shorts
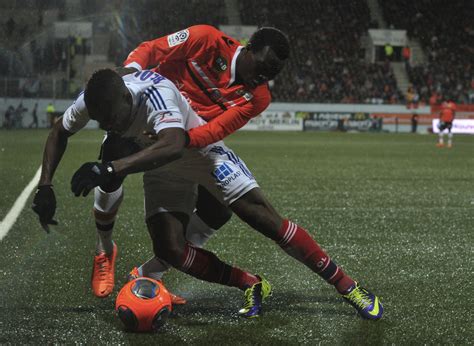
x: 173, y: 187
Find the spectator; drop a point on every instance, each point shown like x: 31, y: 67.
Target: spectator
x: 18, y: 116
x: 8, y: 120
x: 406, y: 54
x: 414, y: 122
x: 50, y: 112
x: 388, y: 49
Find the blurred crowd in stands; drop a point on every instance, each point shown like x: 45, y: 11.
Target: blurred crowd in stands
x: 446, y: 32
x: 328, y: 60
x: 149, y: 19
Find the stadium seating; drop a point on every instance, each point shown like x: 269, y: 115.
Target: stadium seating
x: 327, y: 62
x: 328, y: 59
x: 445, y: 31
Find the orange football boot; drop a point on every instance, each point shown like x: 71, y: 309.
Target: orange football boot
x: 175, y: 299
x: 440, y: 145
x: 103, y: 274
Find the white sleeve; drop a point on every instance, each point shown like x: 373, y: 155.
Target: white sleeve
x: 76, y: 116
x: 134, y: 65
x: 163, y: 109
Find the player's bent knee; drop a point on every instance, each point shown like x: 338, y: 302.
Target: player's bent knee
x: 167, y: 233
x: 255, y: 210
x: 171, y: 254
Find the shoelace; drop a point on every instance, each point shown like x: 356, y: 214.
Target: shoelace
x: 249, y: 297
x: 360, y: 298
x: 103, y: 264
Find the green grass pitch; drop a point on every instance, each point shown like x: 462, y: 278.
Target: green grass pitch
x: 395, y: 211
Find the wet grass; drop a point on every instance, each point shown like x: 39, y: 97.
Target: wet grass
x: 395, y: 211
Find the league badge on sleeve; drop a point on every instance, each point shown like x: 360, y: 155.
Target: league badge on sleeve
x: 178, y: 37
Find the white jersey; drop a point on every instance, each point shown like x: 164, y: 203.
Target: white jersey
x: 157, y: 105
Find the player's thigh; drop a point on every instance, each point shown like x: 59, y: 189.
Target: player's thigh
x: 257, y: 211
x: 167, y: 192
x: 211, y: 210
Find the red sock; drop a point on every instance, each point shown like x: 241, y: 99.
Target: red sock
x: 206, y: 266
x: 296, y: 242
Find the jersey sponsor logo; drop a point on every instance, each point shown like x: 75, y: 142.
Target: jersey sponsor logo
x: 167, y: 117
x: 220, y: 64
x: 232, y: 158
x: 178, y: 37
x: 225, y: 174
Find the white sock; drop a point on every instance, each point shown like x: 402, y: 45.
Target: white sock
x: 153, y: 268
x: 106, y: 203
x: 197, y: 232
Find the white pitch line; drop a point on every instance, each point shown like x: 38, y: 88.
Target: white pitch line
x: 18, y: 206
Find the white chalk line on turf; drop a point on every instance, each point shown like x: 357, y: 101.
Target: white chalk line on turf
x: 18, y: 206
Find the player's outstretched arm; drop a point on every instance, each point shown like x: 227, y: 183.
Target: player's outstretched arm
x: 169, y: 147
x: 44, y: 202
x: 229, y: 121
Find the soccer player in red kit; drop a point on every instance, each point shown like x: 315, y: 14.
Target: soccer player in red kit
x: 446, y: 118
x: 224, y: 82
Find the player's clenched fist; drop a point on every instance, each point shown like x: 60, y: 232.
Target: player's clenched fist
x: 44, y: 204
x: 90, y: 175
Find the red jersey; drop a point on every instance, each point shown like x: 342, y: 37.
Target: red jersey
x: 201, y: 62
x: 448, y: 111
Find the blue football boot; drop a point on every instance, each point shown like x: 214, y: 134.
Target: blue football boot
x: 254, y: 296
x: 367, y: 304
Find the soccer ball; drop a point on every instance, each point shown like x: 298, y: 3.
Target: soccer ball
x: 143, y: 305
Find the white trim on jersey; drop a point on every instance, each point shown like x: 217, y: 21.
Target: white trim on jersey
x: 134, y: 65
x: 233, y: 65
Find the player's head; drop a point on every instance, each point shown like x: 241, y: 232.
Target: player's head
x: 108, y: 101
x: 263, y: 57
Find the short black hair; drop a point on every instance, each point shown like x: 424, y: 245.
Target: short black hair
x: 272, y: 37
x: 102, y: 89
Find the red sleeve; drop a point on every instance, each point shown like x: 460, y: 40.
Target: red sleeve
x: 181, y: 45
x: 230, y: 121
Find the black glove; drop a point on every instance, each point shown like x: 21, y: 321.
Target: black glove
x: 90, y: 175
x: 44, y: 204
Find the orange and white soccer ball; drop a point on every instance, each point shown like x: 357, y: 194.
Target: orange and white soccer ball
x: 143, y: 305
